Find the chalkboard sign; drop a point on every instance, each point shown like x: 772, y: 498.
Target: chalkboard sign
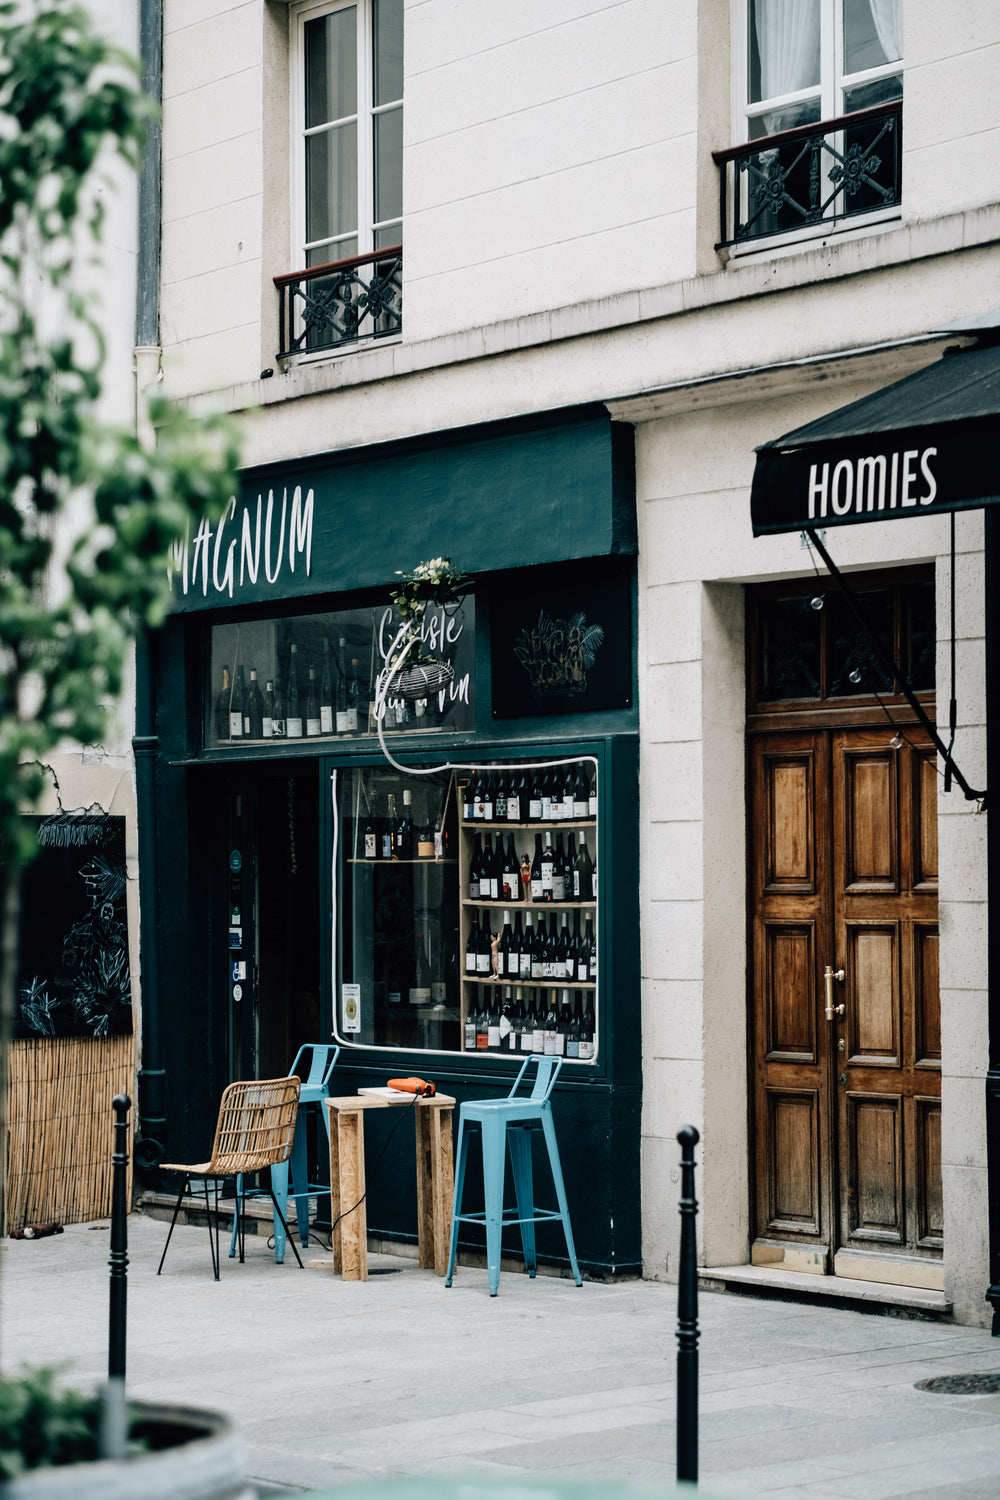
x: 73, y: 974
x: 562, y: 643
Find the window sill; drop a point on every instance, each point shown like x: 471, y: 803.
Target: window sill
x: 816, y: 237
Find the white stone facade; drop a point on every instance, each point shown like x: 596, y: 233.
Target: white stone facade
x: 560, y: 217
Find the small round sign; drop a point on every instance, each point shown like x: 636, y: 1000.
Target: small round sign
x: 237, y: 992
x: 235, y: 861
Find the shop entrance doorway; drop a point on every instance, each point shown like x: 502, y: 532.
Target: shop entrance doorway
x: 845, y: 1012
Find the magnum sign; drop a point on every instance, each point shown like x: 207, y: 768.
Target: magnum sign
x: 878, y: 477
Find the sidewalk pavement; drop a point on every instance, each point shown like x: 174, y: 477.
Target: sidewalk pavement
x: 331, y: 1382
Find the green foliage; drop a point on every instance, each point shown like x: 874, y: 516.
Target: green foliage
x: 40, y: 1425
x: 88, y: 512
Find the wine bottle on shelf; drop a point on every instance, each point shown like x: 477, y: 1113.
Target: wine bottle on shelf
x: 371, y: 833
x: 510, y: 873
x: 489, y: 797
x: 356, y: 697
x: 293, y: 719
x: 559, y: 871
x: 493, y: 1022
x: 535, y: 799
x: 313, y: 721
x: 488, y: 870
x: 593, y: 880
x: 592, y: 962
x: 340, y: 702
x: 538, y: 950
x: 564, y: 954
x: 583, y: 870
x: 573, y: 1032
x: 580, y: 803
x: 484, y: 957
x: 527, y: 947
x: 508, y: 1041
x: 404, y: 828
x: 504, y: 947
x: 469, y: 799
x: 500, y: 798
x: 592, y: 795
x: 546, y: 869
x: 538, y: 1022
x: 483, y: 1019
x: 548, y: 946
x: 588, y: 1030
x: 546, y: 813
x: 472, y: 946
x: 515, y: 787
x: 518, y: 1020
x: 388, y: 849
x: 222, y: 708
x: 394, y: 989
x: 552, y: 1036
x: 475, y: 864
x: 565, y: 1024
x: 236, y: 706
x: 267, y: 717
x: 568, y: 788
x: 426, y: 842
x: 420, y: 982
x: 516, y: 946
x: 469, y: 1030
x: 279, y: 724
x: 536, y: 870
x: 254, y: 715
x: 326, y: 720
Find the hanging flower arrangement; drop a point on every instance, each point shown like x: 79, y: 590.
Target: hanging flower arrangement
x: 412, y: 671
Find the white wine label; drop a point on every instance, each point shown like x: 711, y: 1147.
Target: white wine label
x: 586, y: 1049
x: 592, y: 805
x: 326, y: 719
x: 536, y: 888
x: 420, y: 994
x: 438, y: 992
x: 473, y: 890
x: 438, y: 844
x: 395, y: 997
x: 567, y: 808
x: 534, y: 811
x: 579, y: 810
x: 370, y: 846
x: 293, y: 729
x: 559, y: 1045
x: 558, y: 888
x: 582, y: 973
x: 538, y: 1041
x: 572, y: 1046
x: 493, y: 1036
x: 236, y: 726
x: 525, y: 966
x: 313, y: 726
x: 482, y: 963
x: 352, y: 720
x: 513, y: 809
x: 470, y: 963
x: 526, y: 1041
x: 505, y: 1027
x: 425, y: 849
x: 486, y: 811
x: 576, y: 885
x: 341, y: 721
x: 268, y: 729
x: 350, y: 1000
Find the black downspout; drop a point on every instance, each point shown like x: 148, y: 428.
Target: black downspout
x: 151, y: 1125
x: 992, y: 600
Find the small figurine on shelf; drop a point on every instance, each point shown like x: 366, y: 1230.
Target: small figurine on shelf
x: 525, y: 876
x: 494, y: 955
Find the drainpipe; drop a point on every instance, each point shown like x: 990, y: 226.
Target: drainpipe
x: 151, y: 1125
x: 992, y: 593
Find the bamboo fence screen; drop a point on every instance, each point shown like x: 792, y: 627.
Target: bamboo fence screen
x: 60, y: 1127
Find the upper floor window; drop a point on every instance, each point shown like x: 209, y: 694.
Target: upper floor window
x: 349, y: 130
x: 817, y: 109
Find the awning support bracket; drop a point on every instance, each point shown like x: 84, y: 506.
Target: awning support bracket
x: 888, y: 666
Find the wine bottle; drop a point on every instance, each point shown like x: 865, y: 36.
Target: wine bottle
x: 254, y: 715
x: 394, y: 988
x: 564, y: 955
x: 483, y: 1020
x: 236, y: 703
x: 326, y: 720
x: 508, y: 1040
x: 536, y: 870
x: 293, y: 720
x: 592, y: 796
x: 267, y: 718
x: 472, y: 946
x: 583, y: 870
x: 469, y: 799
x: 535, y: 799
x: 475, y: 865
x: 573, y: 1033
x: 546, y: 814
x: 484, y: 957
x: 420, y: 984
x: 516, y: 946
x: 518, y: 1019
x: 504, y: 947
x: 538, y: 1023
x: 527, y: 947
x: 510, y: 873
x: 552, y: 1036
x: 388, y: 849
x: 222, y: 708
x: 356, y: 698
x: 371, y: 834
x: 552, y: 962
x: 426, y: 842
x: 588, y: 1031
x: 514, y: 788
x: 592, y: 961
x: 313, y: 721
x: 493, y: 1023
x: 340, y: 708
x: 593, y: 881
x: 559, y: 871
x: 580, y: 803
x: 568, y: 787
x: 538, y: 951
x: 489, y: 795
x: 488, y: 872
x: 404, y: 829
x: 546, y: 870
x: 279, y: 724
x: 469, y: 1036
x: 565, y: 1024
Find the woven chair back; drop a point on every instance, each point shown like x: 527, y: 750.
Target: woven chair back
x: 256, y: 1126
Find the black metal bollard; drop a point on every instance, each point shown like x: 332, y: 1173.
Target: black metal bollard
x: 113, y: 1423
x: 687, y: 1316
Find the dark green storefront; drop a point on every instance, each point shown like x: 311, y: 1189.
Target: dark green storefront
x: 249, y: 850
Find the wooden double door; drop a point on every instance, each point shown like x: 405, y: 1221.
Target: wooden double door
x: 845, y: 1004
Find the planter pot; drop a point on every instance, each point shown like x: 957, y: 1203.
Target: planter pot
x: 193, y: 1455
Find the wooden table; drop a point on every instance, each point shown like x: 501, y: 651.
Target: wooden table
x: 435, y: 1177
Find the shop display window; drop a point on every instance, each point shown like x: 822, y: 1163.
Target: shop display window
x: 467, y: 903
x: 313, y: 677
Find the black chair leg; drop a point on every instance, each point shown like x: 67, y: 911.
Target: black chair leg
x: 173, y: 1221
x: 284, y: 1226
x: 213, y: 1232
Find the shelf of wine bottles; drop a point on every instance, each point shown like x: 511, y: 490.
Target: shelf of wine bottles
x: 555, y: 1021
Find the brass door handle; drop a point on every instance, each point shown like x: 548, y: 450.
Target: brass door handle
x: 829, y: 975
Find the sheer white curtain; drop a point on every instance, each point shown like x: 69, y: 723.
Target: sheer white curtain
x: 888, y: 18
x: 788, y: 45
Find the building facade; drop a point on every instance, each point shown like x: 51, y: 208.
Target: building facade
x: 529, y: 291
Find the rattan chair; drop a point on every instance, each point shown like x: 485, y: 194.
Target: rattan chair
x: 255, y: 1130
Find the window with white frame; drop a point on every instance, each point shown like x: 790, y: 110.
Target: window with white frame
x: 812, y: 60
x: 348, y: 127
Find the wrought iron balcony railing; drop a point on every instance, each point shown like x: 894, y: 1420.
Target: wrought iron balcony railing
x: 813, y: 175
x: 346, y: 302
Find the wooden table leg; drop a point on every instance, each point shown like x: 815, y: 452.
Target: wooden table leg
x: 435, y: 1186
x: 354, y: 1224
x: 334, y: 1135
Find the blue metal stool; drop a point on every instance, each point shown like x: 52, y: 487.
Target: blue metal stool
x: 506, y: 1125
x: 314, y: 1090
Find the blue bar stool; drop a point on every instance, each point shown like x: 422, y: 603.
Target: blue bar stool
x: 506, y: 1125
x: 293, y: 1176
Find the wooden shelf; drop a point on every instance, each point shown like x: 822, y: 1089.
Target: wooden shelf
x: 531, y: 984
x: 532, y: 906
x: 391, y: 862
x: 555, y: 824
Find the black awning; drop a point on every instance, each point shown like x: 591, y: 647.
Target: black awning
x: 928, y: 443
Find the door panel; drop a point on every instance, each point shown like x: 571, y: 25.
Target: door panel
x: 847, y: 1113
